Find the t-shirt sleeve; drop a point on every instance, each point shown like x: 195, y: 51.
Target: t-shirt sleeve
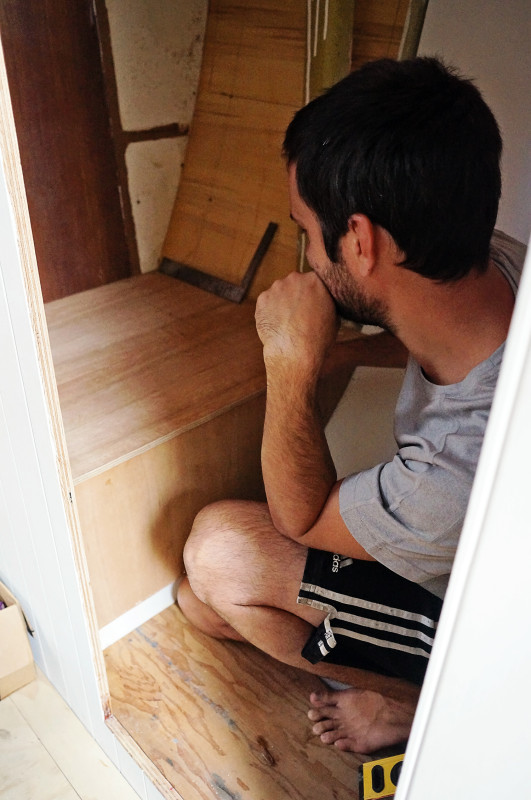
x: 407, y: 515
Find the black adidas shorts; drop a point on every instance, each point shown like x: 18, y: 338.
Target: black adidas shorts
x: 376, y: 621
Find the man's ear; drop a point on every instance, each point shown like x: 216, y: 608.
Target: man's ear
x: 359, y: 244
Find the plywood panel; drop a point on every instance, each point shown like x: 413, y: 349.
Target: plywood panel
x: 55, y: 77
x: 143, y: 359
x: 162, y: 390
x: 234, y: 181
x: 221, y: 719
x: 136, y: 516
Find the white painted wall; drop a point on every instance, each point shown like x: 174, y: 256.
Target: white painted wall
x: 360, y: 432
x: 489, y: 40
x: 157, y: 47
x: 153, y: 173
x: 36, y: 551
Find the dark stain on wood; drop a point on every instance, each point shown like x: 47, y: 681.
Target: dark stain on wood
x: 222, y: 790
x: 195, y: 685
x: 264, y: 753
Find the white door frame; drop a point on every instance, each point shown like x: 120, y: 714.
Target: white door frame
x: 471, y: 736
x: 41, y: 552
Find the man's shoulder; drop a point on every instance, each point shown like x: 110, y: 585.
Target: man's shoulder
x: 509, y: 255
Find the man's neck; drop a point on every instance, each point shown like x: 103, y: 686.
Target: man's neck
x: 451, y: 328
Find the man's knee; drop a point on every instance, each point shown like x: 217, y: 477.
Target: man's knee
x: 212, y: 551
x: 234, y: 556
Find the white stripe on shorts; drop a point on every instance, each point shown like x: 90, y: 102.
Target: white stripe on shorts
x: 416, y: 651
x: 367, y: 604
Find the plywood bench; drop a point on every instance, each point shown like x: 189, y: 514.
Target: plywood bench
x: 162, y: 395
x: 162, y: 391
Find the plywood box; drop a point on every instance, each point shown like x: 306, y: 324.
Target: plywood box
x: 16, y: 659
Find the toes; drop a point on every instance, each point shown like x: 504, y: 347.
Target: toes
x: 323, y: 726
x: 330, y: 737
x: 316, y: 714
x: 321, y: 699
x: 346, y: 745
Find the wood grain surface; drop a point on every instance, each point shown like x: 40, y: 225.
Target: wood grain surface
x: 137, y: 515
x: 141, y: 360
x: 377, y: 31
x: 234, y: 178
x: 57, y: 89
x: 221, y: 719
x: 162, y: 392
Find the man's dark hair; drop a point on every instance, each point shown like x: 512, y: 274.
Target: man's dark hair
x: 414, y: 147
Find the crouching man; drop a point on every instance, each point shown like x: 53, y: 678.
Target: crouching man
x: 393, y: 174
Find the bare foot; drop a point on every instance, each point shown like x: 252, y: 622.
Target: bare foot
x: 360, y: 720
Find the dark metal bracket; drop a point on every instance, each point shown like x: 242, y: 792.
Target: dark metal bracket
x: 218, y: 286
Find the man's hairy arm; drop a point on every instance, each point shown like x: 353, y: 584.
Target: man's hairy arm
x: 297, y: 324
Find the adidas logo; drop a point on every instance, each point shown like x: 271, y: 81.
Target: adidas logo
x: 338, y: 562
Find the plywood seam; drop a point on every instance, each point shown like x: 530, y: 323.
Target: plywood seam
x: 167, y: 437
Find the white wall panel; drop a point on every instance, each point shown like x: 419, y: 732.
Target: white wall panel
x: 488, y: 40
x: 36, y: 545
x: 360, y: 433
x: 153, y: 171
x: 474, y: 705
x: 157, y: 47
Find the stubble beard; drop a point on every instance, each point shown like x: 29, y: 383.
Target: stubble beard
x: 351, y: 302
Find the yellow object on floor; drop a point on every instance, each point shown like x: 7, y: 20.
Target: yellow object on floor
x: 378, y: 779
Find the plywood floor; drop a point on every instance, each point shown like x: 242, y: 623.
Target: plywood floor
x: 220, y: 719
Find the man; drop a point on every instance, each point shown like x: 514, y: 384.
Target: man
x: 394, y: 177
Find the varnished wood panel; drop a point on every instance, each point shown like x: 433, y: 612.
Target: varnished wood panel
x: 221, y: 719
x: 234, y: 179
x: 137, y: 515
x: 162, y: 391
x: 141, y: 360
x: 378, y: 27
x: 56, y: 84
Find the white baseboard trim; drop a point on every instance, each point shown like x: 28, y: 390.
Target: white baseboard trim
x: 137, y: 615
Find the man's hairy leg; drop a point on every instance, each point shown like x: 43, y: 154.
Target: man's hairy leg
x: 202, y: 616
x: 244, y: 578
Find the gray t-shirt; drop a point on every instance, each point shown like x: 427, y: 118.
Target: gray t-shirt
x: 408, y: 513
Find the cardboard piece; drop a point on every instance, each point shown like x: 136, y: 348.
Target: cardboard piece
x: 16, y: 659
